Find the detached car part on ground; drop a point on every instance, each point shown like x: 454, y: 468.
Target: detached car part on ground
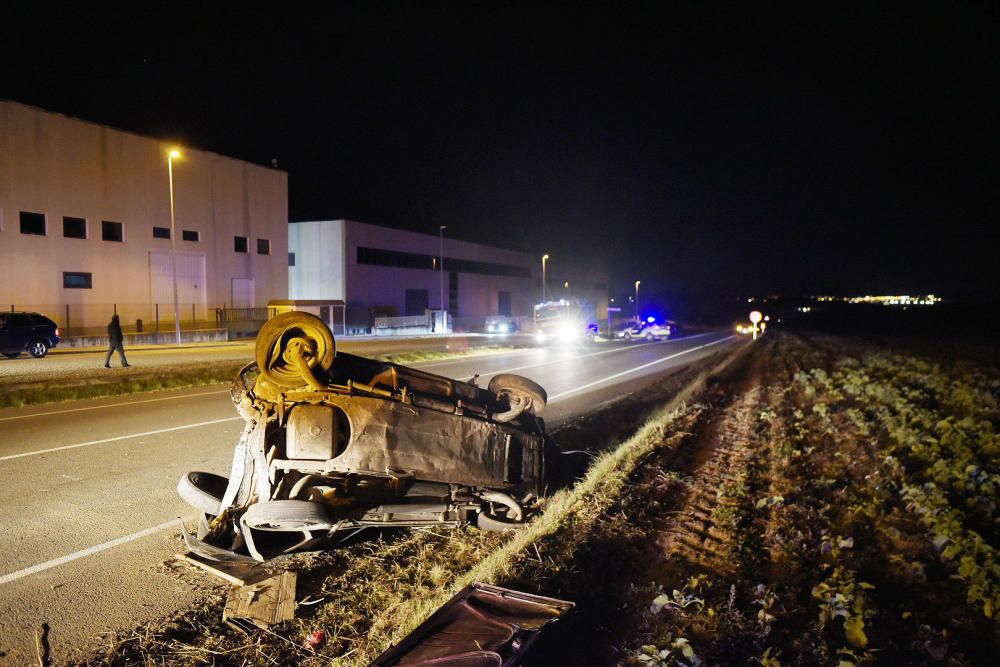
x: 481, y: 626
x: 335, y: 443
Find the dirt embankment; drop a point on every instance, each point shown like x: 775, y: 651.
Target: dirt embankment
x: 826, y: 503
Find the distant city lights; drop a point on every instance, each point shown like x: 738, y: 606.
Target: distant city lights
x: 900, y: 300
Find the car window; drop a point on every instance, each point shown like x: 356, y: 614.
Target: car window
x: 19, y: 320
x: 42, y: 320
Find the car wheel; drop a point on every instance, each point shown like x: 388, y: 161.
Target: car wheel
x: 288, y: 515
x: 295, y: 349
x: 628, y: 335
x: 521, y: 393
x: 649, y: 338
x: 12, y: 355
x: 38, y: 348
x: 492, y: 523
x: 203, y: 491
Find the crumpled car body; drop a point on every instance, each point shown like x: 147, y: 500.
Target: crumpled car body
x: 338, y: 443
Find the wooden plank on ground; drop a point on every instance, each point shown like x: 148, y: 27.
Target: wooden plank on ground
x: 240, y: 574
x: 264, y: 602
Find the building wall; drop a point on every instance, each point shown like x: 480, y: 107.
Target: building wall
x: 319, y: 265
x: 61, y: 166
x: 329, y: 250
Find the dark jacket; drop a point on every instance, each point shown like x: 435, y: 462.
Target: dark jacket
x: 114, y: 330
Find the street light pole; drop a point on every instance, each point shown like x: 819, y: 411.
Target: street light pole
x: 637, y: 300
x: 444, y: 311
x: 173, y: 242
x: 544, y: 259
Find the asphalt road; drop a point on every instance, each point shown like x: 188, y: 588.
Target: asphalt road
x: 88, y: 510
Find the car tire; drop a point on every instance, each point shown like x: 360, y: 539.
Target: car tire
x: 518, y: 384
x: 649, y: 338
x: 490, y: 523
x: 628, y: 335
x: 275, y: 350
x: 12, y: 355
x: 38, y: 348
x: 288, y: 516
x: 202, y: 490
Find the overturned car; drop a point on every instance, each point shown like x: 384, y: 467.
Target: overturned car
x: 335, y: 443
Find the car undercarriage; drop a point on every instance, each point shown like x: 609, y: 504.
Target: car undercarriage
x: 336, y: 443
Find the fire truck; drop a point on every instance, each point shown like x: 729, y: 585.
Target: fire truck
x: 565, y: 321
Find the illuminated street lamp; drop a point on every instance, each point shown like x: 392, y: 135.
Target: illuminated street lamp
x: 174, y: 153
x: 637, y: 299
x: 444, y: 316
x: 755, y: 318
x: 545, y: 258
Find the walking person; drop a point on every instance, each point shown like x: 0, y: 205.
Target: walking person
x: 115, y: 342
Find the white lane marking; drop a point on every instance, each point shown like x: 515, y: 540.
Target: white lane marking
x: 633, y: 370
x: 585, y: 356
x: 113, y: 405
x: 83, y: 553
x: 117, y: 438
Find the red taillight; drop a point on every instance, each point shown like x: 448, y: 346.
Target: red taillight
x: 57, y: 331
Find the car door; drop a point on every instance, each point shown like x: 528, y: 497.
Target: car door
x: 5, y: 344
x: 19, y: 327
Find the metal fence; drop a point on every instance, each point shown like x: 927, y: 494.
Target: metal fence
x: 90, y: 319
x: 243, y: 322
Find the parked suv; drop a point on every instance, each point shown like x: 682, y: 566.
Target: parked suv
x: 27, y: 332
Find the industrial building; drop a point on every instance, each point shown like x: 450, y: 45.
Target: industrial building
x: 380, y: 272
x: 85, y: 225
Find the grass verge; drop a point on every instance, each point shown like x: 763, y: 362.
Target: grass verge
x: 100, y: 387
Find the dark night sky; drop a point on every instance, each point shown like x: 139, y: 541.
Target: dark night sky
x: 706, y: 150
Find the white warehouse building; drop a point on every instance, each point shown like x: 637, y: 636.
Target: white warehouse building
x: 381, y: 271
x: 85, y: 225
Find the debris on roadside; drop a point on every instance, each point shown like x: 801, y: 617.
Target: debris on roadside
x: 256, y: 595
x: 240, y: 574
x: 480, y: 625
x: 264, y: 602
x: 315, y: 640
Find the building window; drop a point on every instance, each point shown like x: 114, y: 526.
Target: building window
x: 74, y: 228
x: 33, y: 223
x: 112, y: 231
x: 263, y: 246
x: 503, y: 304
x: 291, y: 259
x: 161, y: 232
x: 190, y: 235
x: 410, y: 260
x: 73, y: 280
x: 240, y: 243
x: 416, y: 302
